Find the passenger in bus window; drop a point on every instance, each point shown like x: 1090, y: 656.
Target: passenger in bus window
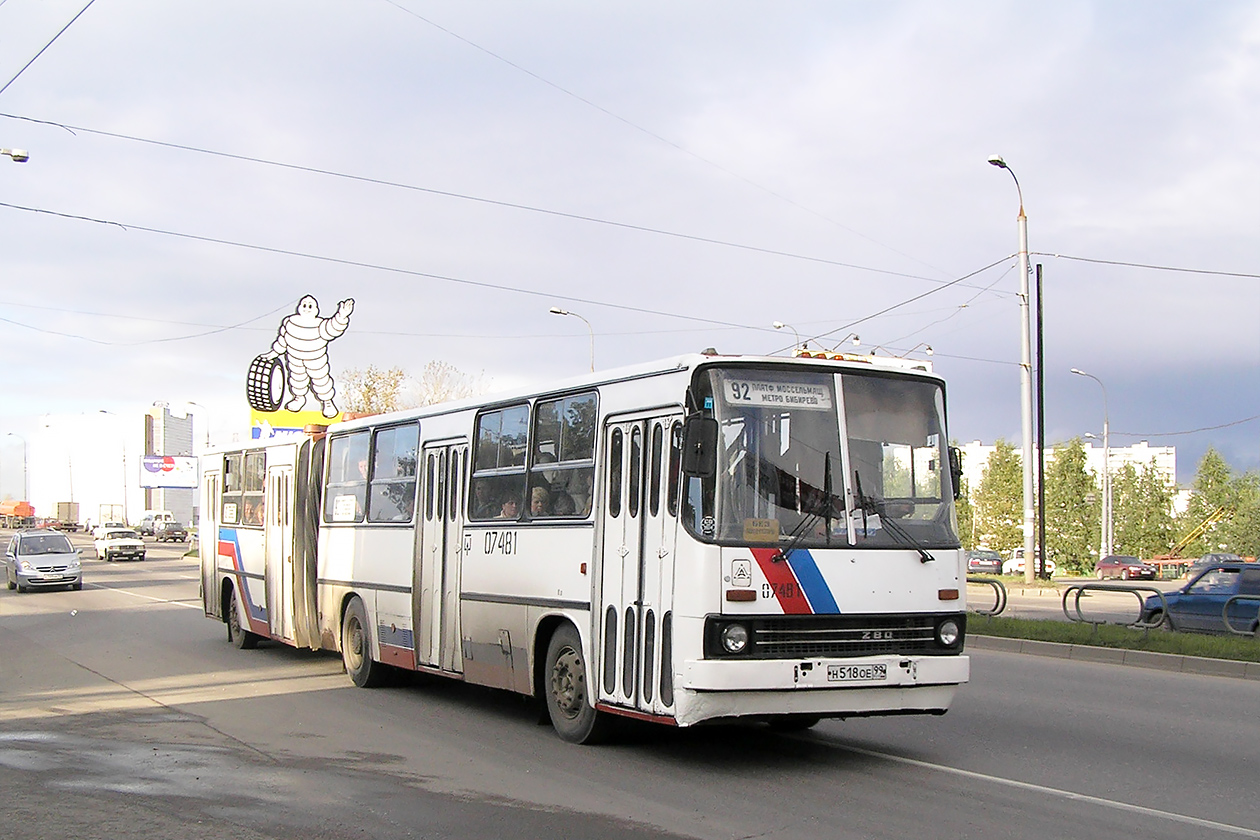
x: 539, y: 501
x: 562, y: 505
x: 580, y: 491
x: 510, y: 509
x: 485, y: 506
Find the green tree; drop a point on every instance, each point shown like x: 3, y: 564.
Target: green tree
x: 1214, y: 487
x: 1073, y: 509
x: 999, y: 500
x: 965, y: 512
x: 1242, y: 531
x: 1141, y: 511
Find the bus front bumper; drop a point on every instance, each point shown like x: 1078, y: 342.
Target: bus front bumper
x: 875, y: 685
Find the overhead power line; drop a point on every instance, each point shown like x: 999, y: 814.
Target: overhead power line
x: 314, y: 170
x: 46, y: 46
x: 1188, y: 431
x: 656, y: 136
x: 1148, y: 266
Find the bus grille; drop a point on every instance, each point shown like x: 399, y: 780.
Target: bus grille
x: 803, y: 637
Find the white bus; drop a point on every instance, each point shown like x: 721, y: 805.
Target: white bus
x: 704, y: 538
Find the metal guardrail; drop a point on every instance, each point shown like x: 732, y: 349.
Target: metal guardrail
x: 1225, y: 613
x: 1081, y: 588
x: 999, y: 593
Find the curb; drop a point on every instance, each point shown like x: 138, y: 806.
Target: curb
x: 1117, y: 656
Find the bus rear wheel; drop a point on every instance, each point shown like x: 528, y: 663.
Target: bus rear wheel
x: 573, y: 716
x: 356, y: 648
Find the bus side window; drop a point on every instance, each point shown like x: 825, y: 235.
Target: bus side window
x: 392, y: 493
x: 614, y: 473
x: 675, y: 461
x: 654, y: 473
x: 345, y: 495
x: 499, y: 455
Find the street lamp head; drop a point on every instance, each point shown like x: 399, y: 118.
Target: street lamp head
x: 555, y: 310
x: 18, y: 155
x: 1079, y: 372
x: 996, y: 160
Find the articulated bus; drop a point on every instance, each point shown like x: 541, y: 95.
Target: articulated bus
x: 705, y: 538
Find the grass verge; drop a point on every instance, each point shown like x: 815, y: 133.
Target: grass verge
x: 1113, y: 636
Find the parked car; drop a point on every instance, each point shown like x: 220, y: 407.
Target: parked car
x: 170, y: 532
x: 982, y: 561
x: 1199, y: 606
x: 1125, y: 567
x: 120, y: 544
x: 42, y: 558
x: 1015, y: 566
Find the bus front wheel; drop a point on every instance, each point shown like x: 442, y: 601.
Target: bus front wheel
x: 356, y: 648
x: 572, y: 714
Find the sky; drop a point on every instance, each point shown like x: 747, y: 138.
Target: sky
x: 681, y: 175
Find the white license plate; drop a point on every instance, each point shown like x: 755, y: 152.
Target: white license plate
x: 857, y: 673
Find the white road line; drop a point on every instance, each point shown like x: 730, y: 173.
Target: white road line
x: 178, y: 603
x: 1062, y: 794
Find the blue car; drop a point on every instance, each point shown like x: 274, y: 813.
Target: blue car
x: 1199, y: 606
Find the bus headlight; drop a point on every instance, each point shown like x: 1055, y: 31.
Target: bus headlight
x: 734, y: 638
x: 947, y: 632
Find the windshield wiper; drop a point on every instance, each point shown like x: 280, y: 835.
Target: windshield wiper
x: 801, y: 531
x: 887, y: 522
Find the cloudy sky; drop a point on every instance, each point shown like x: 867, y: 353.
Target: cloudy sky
x: 680, y: 174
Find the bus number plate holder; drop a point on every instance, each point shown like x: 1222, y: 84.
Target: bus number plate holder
x: 876, y: 672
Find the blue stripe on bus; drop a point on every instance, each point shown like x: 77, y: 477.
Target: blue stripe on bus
x: 811, y: 580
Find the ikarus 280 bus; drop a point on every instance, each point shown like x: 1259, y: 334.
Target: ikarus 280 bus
x: 703, y: 538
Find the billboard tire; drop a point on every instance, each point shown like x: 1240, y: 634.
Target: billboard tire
x: 264, y: 385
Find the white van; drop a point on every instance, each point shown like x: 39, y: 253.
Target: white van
x: 152, y: 517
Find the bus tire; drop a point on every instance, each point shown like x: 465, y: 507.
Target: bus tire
x: 356, y: 648
x: 240, y: 638
x: 265, y: 374
x: 573, y: 715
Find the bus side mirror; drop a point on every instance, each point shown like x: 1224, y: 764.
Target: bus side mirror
x: 700, y: 437
x: 955, y: 470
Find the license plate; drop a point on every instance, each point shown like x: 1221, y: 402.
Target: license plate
x: 857, y: 673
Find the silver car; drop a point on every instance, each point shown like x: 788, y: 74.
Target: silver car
x: 37, y: 559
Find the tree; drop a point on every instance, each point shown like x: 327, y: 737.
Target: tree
x: 965, y: 513
x: 999, y: 500
x: 373, y: 390
x: 1142, y: 511
x: 442, y: 382
x: 1213, y: 488
x: 1073, y: 509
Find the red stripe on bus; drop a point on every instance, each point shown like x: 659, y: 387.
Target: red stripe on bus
x: 783, y: 583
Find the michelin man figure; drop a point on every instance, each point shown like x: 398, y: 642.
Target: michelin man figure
x: 303, y: 341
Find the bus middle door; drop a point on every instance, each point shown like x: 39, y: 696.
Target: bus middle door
x: 438, y: 567
x: 278, y: 525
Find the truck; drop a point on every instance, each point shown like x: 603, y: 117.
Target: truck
x: 16, y: 514
x: 67, y: 518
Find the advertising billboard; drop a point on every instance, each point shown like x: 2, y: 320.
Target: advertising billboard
x: 168, y: 471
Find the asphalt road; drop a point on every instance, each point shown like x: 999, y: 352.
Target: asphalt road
x: 124, y: 713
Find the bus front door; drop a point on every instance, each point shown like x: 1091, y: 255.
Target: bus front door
x: 208, y: 544
x: 437, y: 573
x: 637, y: 565
x: 278, y: 522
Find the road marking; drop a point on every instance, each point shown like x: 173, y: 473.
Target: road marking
x: 176, y: 602
x: 1062, y: 794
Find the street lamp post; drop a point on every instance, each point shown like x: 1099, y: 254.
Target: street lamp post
x: 1025, y: 377
x: 1106, y: 538
x: 205, y: 419
x: 555, y: 310
x: 779, y: 325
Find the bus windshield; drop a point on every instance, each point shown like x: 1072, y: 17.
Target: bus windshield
x: 816, y: 459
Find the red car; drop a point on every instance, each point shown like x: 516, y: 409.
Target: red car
x: 1125, y: 567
